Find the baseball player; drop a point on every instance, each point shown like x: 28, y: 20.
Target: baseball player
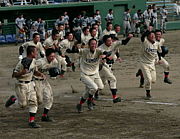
x: 98, y: 16
x: 20, y: 22
x: 163, y: 13
x: 89, y: 65
x: 60, y: 29
x: 77, y: 24
x: 85, y: 36
x: 68, y: 44
x: 35, y: 42
x: 160, y: 61
x: 109, y: 17
x: 137, y: 19
x: 126, y: 22
x: 42, y: 86
x: 117, y: 29
x: 42, y: 29
x: 109, y: 30
x: 35, y: 27
x: 105, y: 71
x: 147, y: 17
x: 60, y: 20
x: 24, y: 87
x: 149, y: 54
x: 154, y: 20
x: 66, y: 17
x: 52, y: 42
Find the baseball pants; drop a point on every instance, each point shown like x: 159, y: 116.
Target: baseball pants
x: 26, y: 96
x: 163, y: 24
x: 92, y: 83
x: 107, y: 75
x: 127, y: 27
x: 149, y: 73
x: 62, y: 63
x: 164, y: 64
x: 44, y: 93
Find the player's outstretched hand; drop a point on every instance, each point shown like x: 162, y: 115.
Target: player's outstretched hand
x: 119, y: 60
x: 130, y: 35
x: 102, y: 56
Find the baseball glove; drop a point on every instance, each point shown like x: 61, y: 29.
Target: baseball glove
x: 164, y: 51
x: 26, y: 62
x: 53, y: 72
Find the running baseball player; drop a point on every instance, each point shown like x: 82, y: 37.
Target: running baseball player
x: 85, y: 36
x: 35, y: 42
x: 109, y: 30
x: 42, y: 86
x: 149, y: 54
x: 68, y: 44
x: 24, y: 86
x: 160, y: 61
x: 52, y: 42
x: 89, y: 65
x: 105, y: 71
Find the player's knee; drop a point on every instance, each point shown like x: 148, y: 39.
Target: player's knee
x: 101, y: 87
x: 23, y: 104
x: 93, y: 90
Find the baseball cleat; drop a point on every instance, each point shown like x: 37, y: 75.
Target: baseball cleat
x: 90, y: 105
x: 141, y: 86
x: 79, y: 108
x: 148, y: 95
x: 96, y: 97
x: 73, y: 68
x: 34, y: 125
x: 167, y: 80
x: 10, y: 101
x: 46, y: 119
x: 116, y: 100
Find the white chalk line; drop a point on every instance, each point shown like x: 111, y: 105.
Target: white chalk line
x: 135, y: 101
x: 156, y: 103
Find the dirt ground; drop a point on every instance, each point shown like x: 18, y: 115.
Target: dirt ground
x: 133, y: 118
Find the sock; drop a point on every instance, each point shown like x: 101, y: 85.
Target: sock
x: 166, y: 74
x: 45, y: 112
x: 114, y: 91
x: 142, y: 80
x: 97, y: 93
x: 90, y: 97
x: 32, y: 117
x: 82, y: 100
x: 148, y: 92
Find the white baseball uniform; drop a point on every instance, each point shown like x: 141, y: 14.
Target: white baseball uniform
x: 24, y: 87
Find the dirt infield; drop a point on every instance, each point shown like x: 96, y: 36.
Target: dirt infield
x: 133, y: 118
